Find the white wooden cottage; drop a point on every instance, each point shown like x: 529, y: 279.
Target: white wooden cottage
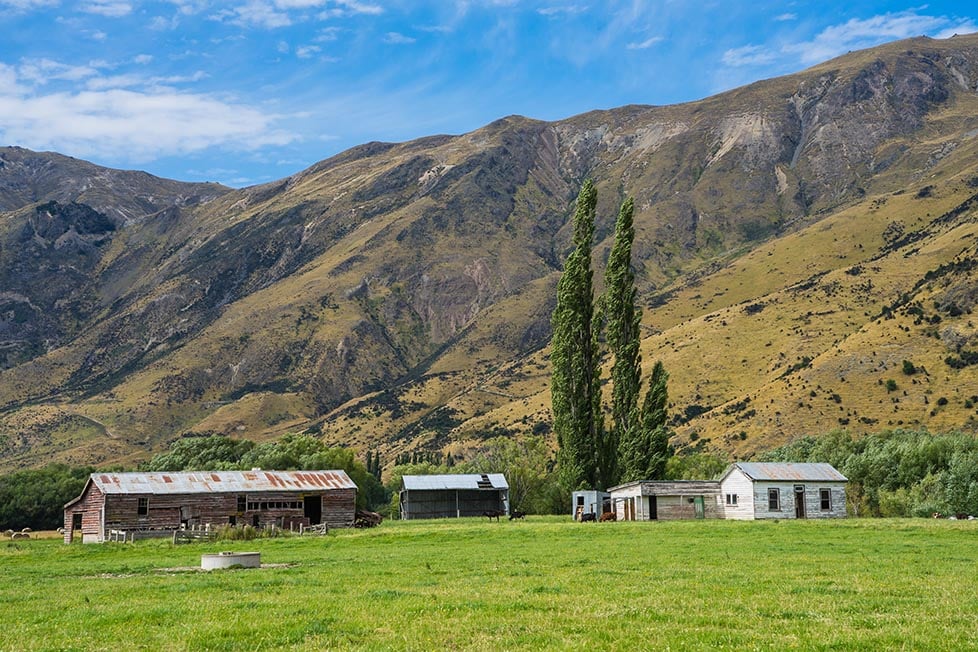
x: 757, y: 490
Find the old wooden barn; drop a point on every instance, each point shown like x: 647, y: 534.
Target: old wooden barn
x: 666, y: 500
x: 757, y: 490
x: 160, y: 502
x: 453, y: 495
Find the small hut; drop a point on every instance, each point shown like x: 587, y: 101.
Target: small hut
x: 159, y: 503
x: 590, y: 502
x: 666, y: 500
x: 453, y: 495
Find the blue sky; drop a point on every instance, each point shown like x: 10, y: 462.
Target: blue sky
x: 249, y: 91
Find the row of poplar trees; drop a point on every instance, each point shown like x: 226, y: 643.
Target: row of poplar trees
x: 635, y: 444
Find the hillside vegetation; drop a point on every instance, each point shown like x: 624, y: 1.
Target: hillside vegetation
x: 799, y: 242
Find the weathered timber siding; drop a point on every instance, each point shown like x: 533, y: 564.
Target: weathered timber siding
x: 339, y: 507
x: 102, y: 513
x: 89, y: 505
x: 812, y: 499
x: 450, y: 503
x: 739, y: 485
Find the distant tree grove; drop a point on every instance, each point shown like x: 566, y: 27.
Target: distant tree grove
x: 635, y: 445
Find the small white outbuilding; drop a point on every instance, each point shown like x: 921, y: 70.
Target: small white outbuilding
x: 758, y: 490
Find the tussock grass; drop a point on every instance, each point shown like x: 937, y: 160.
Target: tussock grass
x: 545, y: 583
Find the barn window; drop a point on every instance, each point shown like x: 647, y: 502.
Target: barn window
x: 825, y: 497
x: 242, y: 503
x: 774, y: 499
x: 142, y: 506
x: 732, y: 500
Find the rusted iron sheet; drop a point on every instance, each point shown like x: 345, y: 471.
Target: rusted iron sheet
x: 220, y: 482
x: 791, y: 471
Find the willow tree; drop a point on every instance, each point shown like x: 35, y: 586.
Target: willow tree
x: 575, y: 387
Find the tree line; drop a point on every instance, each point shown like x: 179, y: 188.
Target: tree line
x: 897, y: 472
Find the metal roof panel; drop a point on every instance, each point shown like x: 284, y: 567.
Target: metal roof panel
x: 221, y: 482
x: 788, y: 471
x: 454, y: 481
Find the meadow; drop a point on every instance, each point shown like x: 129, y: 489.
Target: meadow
x: 543, y: 583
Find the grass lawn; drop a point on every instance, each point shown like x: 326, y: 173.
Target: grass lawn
x: 546, y: 583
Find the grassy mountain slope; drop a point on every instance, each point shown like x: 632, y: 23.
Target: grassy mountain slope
x: 797, y: 239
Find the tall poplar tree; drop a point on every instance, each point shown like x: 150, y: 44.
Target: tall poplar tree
x: 623, y: 335
x: 644, y: 456
x: 575, y: 387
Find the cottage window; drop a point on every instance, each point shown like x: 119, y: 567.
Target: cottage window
x: 825, y: 497
x: 142, y: 506
x: 774, y: 500
x: 732, y: 500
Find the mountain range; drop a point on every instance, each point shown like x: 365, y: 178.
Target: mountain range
x: 806, y: 256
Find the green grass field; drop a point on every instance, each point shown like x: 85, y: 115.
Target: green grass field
x: 546, y: 583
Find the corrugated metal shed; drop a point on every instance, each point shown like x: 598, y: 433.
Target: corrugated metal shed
x: 455, y: 481
x: 220, y: 482
x: 790, y: 471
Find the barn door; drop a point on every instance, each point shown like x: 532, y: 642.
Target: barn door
x: 799, y: 501
x: 312, y: 508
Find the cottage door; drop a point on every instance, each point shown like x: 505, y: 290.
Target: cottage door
x: 698, y: 508
x: 799, y: 501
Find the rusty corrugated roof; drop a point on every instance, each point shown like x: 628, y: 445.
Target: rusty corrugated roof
x: 773, y: 471
x: 194, y: 482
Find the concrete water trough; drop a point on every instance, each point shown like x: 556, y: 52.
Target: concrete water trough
x: 230, y: 560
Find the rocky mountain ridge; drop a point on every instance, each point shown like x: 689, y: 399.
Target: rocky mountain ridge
x: 398, y: 296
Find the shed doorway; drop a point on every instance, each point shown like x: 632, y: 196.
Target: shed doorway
x: 799, y: 501
x: 699, y: 509
x: 312, y: 508
x: 653, y: 509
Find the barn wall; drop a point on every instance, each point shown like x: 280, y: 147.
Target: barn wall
x: 673, y: 508
x: 450, y: 503
x: 89, y: 506
x: 170, y: 512
x: 340, y: 507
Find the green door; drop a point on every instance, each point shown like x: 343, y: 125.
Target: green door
x: 698, y: 508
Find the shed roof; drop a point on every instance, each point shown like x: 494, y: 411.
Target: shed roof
x: 220, y: 482
x: 788, y: 471
x: 671, y: 487
x: 486, y: 481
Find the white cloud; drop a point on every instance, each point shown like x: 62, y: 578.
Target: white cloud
x: 28, y: 4
x: 108, y: 8
x: 397, y: 38
x: 857, y: 33
x: 143, y: 59
x: 257, y: 13
x: 786, y: 17
x: 110, y: 119
x: 43, y: 71
x: 749, y: 55
x: 307, y: 51
x: 644, y: 45
x: 562, y: 10
x: 964, y: 27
